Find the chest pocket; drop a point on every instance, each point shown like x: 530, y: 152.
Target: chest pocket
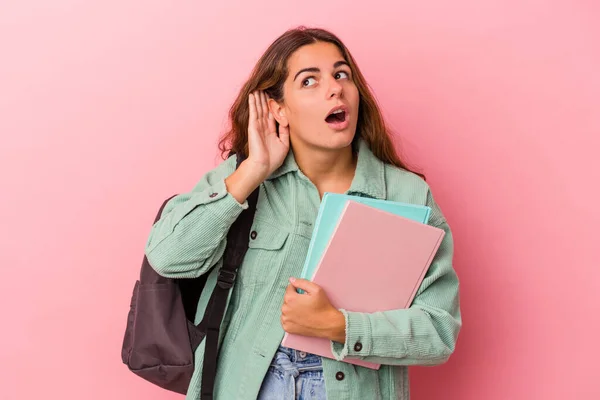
x: 265, y: 255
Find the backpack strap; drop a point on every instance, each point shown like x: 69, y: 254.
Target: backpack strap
x: 235, y: 250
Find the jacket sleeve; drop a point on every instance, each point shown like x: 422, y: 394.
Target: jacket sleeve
x: 190, y: 236
x: 423, y: 334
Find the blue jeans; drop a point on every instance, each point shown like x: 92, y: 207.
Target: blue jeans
x: 293, y: 375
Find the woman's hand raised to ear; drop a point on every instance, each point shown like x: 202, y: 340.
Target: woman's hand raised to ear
x: 266, y: 149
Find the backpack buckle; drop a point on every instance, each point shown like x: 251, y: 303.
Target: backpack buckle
x: 226, y: 278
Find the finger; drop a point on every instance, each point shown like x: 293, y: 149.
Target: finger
x: 263, y: 100
x: 252, y: 106
x: 258, y: 101
x: 305, y: 285
x: 289, y: 291
x: 285, y: 325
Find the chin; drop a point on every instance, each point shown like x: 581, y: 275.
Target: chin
x: 326, y: 139
x: 338, y: 140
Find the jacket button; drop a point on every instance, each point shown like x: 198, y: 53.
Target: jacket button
x: 213, y: 195
x: 358, y: 346
x: 253, y: 235
x: 339, y: 376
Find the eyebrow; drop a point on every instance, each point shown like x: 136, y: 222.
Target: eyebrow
x: 314, y: 69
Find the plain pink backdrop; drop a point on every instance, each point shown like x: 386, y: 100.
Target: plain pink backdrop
x: 106, y: 108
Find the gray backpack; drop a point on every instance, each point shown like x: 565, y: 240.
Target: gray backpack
x: 161, y: 337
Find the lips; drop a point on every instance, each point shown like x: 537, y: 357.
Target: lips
x: 337, y: 118
x: 337, y: 114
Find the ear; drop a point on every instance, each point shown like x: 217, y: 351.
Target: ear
x: 278, y: 112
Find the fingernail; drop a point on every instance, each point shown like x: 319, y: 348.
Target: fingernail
x: 292, y: 279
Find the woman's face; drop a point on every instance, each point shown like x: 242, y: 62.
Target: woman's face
x: 319, y: 82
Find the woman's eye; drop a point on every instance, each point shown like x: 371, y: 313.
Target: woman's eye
x: 341, y: 74
x: 307, y: 81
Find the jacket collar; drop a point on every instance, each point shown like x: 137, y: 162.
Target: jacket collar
x: 369, y: 177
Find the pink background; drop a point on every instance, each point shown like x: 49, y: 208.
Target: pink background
x: 108, y: 107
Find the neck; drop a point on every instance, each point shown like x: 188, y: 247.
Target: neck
x: 329, y: 170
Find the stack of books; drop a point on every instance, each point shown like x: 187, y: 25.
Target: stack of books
x: 368, y: 255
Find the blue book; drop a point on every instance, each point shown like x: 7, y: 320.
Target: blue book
x: 329, y: 213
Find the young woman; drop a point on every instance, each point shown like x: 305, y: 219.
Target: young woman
x: 308, y: 124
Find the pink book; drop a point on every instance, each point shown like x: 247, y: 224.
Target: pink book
x: 375, y: 261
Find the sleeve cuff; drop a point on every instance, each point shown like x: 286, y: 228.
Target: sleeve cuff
x: 358, y: 337
x: 221, y: 203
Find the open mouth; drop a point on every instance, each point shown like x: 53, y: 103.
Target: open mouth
x: 336, y: 117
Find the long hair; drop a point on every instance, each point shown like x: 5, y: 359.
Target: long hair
x: 269, y: 76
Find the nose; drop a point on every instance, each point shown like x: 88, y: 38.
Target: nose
x: 335, y: 89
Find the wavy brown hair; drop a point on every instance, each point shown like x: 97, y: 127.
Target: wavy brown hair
x: 269, y: 76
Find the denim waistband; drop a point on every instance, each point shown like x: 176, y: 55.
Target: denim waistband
x: 301, y: 360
